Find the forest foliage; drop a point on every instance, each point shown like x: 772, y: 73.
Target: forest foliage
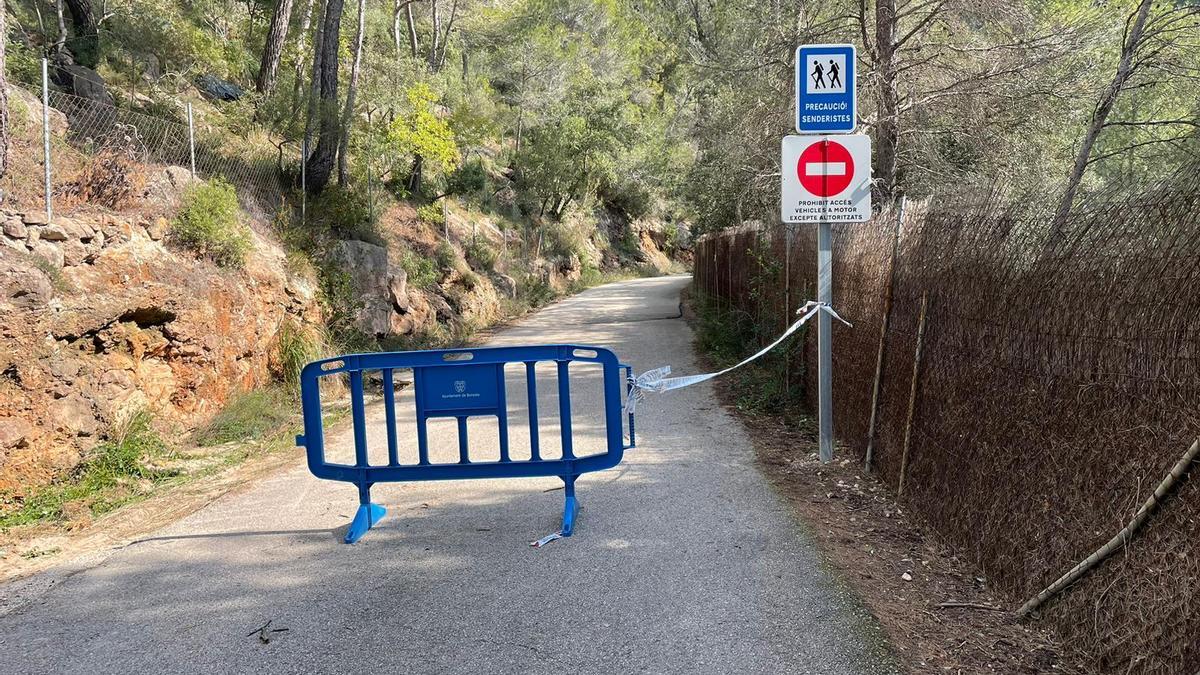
x: 672, y: 108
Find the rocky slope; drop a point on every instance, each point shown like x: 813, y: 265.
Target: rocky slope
x: 98, y: 318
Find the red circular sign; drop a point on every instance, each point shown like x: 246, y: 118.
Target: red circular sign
x: 825, y: 168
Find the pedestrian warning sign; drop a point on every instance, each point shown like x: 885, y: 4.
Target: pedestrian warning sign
x: 825, y: 74
x: 826, y: 178
x: 825, y: 95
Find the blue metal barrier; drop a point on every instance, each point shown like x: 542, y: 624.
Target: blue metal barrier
x: 460, y: 384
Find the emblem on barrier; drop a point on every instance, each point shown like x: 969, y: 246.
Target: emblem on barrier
x: 460, y: 386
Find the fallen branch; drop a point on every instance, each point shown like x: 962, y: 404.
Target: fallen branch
x: 1121, y: 539
x: 968, y: 605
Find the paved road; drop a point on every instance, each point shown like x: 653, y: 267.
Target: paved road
x: 684, y: 559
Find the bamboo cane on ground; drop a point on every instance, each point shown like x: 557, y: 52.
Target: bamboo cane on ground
x: 869, y: 458
x: 1122, y: 538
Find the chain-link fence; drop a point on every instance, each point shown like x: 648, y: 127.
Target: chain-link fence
x: 102, y: 154
x: 1054, y: 387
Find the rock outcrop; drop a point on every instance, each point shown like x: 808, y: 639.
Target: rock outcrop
x: 98, y: 319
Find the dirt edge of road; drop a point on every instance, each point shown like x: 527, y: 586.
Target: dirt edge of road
x: 938, y: 613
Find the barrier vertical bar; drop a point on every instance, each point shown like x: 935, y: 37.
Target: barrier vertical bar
x: 422, y: 429
x: 191, y: 139
x: 463, y: 456
x: 824, y: 338
x: 46, y: 133
x: 502, y: 418
x: 535, y: 452
x: 389, y: 404
x: 358, y: 413
x: 564, y: 409
x: 628, y: 394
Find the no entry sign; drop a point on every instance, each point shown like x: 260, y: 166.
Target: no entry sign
x: 826, y: 178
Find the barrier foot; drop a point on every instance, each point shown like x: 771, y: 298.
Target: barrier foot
x: 367, y: 516
x: 570, y: 507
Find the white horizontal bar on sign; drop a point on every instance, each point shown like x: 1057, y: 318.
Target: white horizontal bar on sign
x: 825, y: 169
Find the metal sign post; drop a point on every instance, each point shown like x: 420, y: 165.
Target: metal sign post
x: 825, y: 339
x: 826, y: 180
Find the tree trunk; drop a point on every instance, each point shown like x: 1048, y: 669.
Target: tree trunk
x: 1099, y: 118
x: 397, y: 6
x: 412, y: 30
x: 441, y: 61
x: 348, y: 112
x: 61, y: 41
x: 414, y: 178
x: 86, y: 45
x: 276, y: 35
x: 3, y: 93
x: 887, y: 130
x: 301, y: 48
x: 437, y: 34
x: 320, y: 163
x: 314, y: 87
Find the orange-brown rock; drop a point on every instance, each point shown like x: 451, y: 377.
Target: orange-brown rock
x: 127, y: 324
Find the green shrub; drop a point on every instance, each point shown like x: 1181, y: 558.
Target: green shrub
x: 339, y: 298
x: 422, y: 273
x: 629, y: 197
x: 344, y: 212
x: 590, y: 276
x: 432, y: 214
x: 248, y: 416
x: 298, y: 346
x: 467, y: 179
x: 566, y: 241
x: 470, y: 280
x: 483, y: 256
x: 534, y: 290
x: 447, y: 257
x: 208, y: 223
x: 24, y: 63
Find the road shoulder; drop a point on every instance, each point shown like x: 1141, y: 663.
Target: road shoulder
x: 937, y: 613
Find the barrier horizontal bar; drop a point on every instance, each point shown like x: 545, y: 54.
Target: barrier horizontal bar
x: 480, y: 355
x: 474, y: 470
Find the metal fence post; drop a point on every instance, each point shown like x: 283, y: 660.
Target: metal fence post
x: 191, y: 139
x: 370, y: 191
x: 787, y: 304
x: 46, y: 133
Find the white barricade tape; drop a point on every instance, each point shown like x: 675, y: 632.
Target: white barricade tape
x: 656, y: 380
x: 546, y: 539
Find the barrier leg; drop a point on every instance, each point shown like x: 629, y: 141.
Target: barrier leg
x: 368, y: 514
x: 570, y: 507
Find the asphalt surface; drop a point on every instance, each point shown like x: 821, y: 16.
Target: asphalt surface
x: 684, y: 559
